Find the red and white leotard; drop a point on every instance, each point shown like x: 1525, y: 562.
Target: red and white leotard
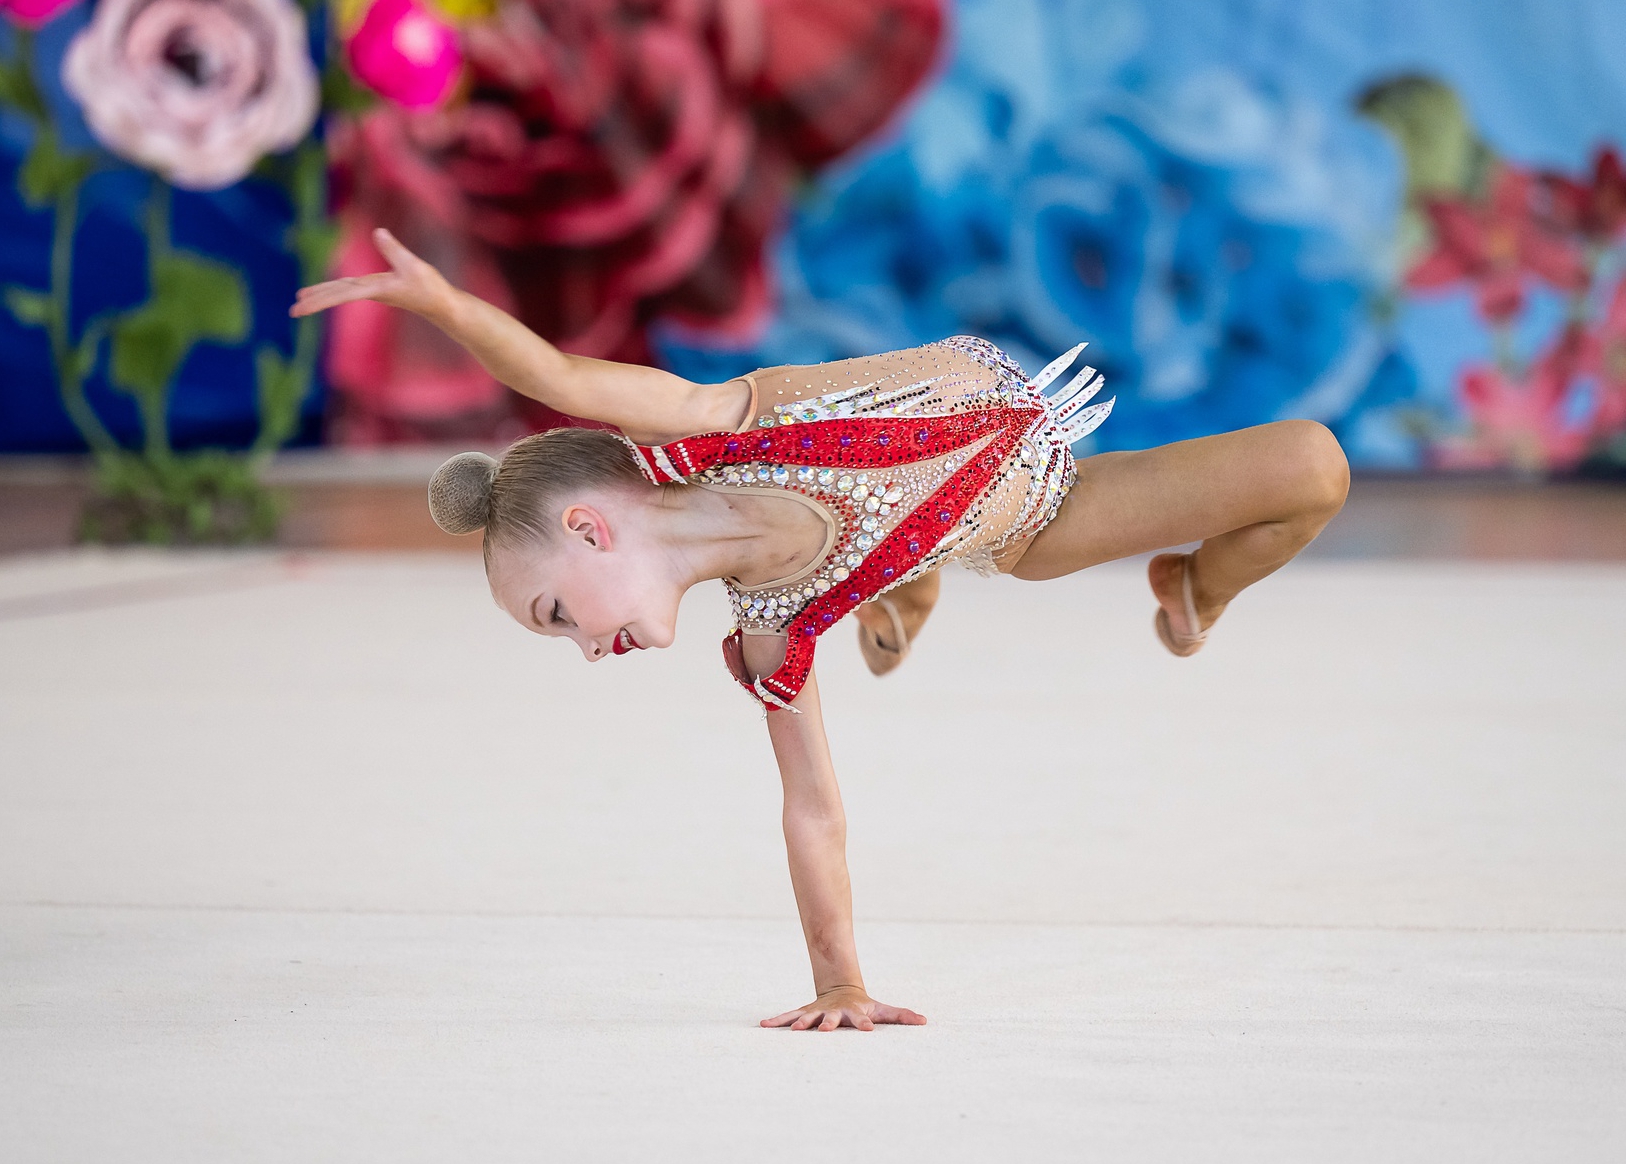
x: 914, y: 459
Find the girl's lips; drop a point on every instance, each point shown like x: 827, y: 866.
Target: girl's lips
x: 624, y: 642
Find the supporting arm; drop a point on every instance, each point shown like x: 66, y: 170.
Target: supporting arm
x: 815, y: 827
x: 816, y: 844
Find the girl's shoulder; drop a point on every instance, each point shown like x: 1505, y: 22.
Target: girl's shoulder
x: 784, y: 391
x: 985, y: 352
x: 849, y: 367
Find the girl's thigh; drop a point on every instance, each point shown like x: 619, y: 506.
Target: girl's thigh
x: 1125, y: 504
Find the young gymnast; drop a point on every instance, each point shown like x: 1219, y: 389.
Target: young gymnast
x: 810, y: 492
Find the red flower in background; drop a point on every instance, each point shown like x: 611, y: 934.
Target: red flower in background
x: 405, y: 52
x: 1607, y: 361
x: 618, y: 162
x: 395, y: 376
x: 1525, y: 422
x: 1572, y: 398
x: 1497, y: 245
x: 33, y: 13
x: 1595, y: 209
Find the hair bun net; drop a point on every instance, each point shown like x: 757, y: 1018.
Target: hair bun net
x: 460, y: 493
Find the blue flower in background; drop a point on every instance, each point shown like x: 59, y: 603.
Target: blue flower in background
x: 1219, y: 243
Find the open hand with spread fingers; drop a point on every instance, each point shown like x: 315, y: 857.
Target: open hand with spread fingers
x: 410, y: 283
x: 845, y: 1006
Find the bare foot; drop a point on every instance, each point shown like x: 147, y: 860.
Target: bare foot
x: 878, y: 637
x: 1166, y: 573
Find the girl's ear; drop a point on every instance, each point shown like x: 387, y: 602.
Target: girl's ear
x: 587, y: 525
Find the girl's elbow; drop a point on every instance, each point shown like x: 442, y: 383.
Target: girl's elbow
x: 815, y: 823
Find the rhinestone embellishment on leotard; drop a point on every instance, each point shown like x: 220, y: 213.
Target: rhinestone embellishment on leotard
x: 865, y: 506
x: 992, y: 466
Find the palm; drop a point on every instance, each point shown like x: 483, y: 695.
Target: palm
x: 845, y: 1006
x: 410, y: 283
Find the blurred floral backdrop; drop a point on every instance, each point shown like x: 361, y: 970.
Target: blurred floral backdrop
x: 606, y: 165
x: 1403, y: 220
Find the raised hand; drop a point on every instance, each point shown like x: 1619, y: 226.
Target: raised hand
x: 845, y: 1006
x: 410, y: 283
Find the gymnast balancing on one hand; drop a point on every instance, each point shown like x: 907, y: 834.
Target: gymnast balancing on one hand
x: 811, y: 492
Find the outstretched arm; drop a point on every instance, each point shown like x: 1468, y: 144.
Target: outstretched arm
x: 816, y: 843
x: 649, y: 405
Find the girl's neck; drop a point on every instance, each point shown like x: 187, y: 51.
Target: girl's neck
x: 738, y: 536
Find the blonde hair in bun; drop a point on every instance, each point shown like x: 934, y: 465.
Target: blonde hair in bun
x: 517, y: 500
x: 460, y: 493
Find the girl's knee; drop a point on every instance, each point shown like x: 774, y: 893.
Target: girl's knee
x: 918, y: 595
x: 1318, y: 465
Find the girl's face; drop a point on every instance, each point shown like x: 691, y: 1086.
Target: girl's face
x: 598, y: 586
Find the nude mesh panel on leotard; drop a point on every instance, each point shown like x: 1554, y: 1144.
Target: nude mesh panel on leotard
x: 955, y: 375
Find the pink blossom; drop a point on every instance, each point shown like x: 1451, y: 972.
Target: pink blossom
x: 1525, y: 422
x: 198, y: 90
x: 34, y: 13
x: 1607, y: 361
x: 396, y: 375
x: 406, y: 53
x: 1595, y: 209
x: 1497, y: 245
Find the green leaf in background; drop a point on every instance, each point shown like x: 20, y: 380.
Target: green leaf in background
x: 17, y: 87
x: 205, y: 496
x: 48, y: 171
x: 147, y: 351
x: 33, y: 308
x: 342, y: 93
x: 1424, y: 115
x: 314, y: 244
x: 193, y: 298
x: 206, y: 299
x: 282, y: 390
x: 313, y: 235
x: 1443, y: 155
x: 82, y: 359
x: 307, y: 182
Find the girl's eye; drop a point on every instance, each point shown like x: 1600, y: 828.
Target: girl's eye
x: 555, y: 617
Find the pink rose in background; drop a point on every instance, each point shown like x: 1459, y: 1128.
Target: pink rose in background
x: 34, y: 13
x: 198, y: 90
x: 405, y: 53
x: 619, y: 162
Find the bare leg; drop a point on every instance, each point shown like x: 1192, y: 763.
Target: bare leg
x: 877, y: 635
x: 1254, y: 498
